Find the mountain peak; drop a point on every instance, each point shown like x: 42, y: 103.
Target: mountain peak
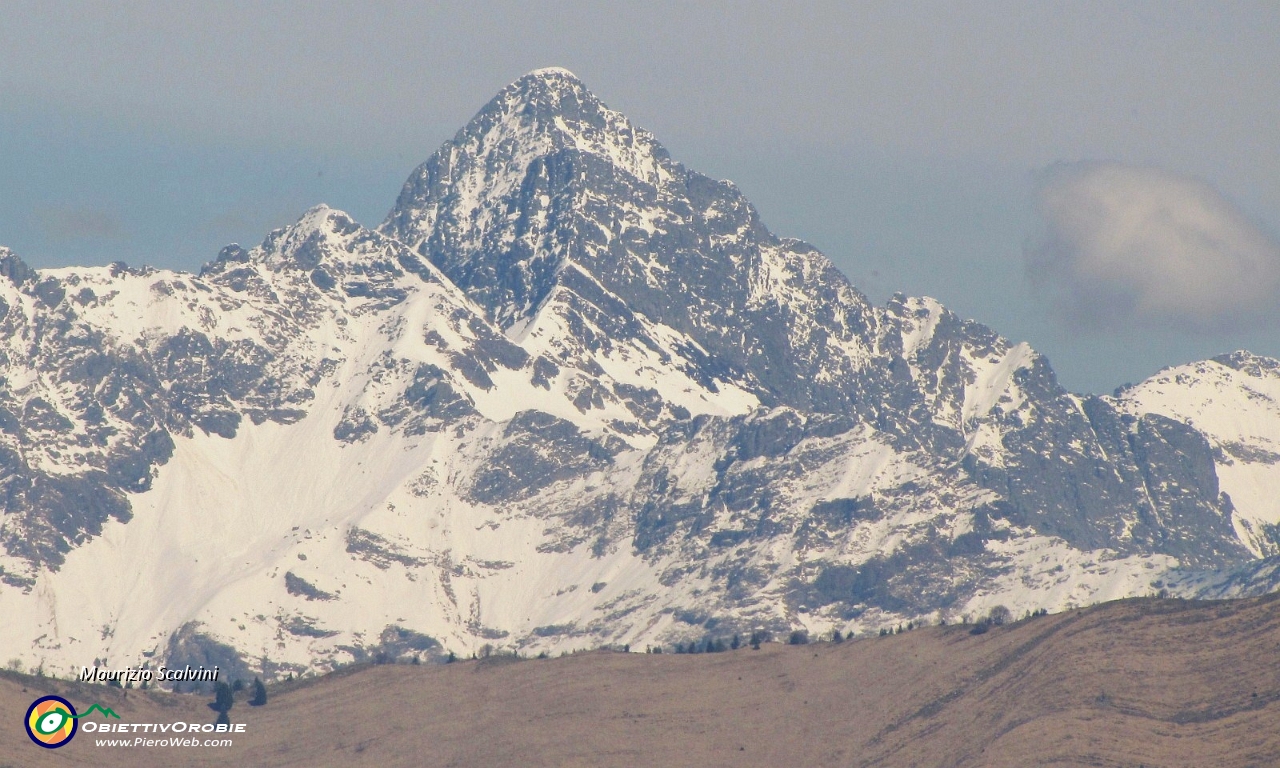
x: 544, y: 112
x: 551, y: 109
x: 13, y: 267
x: 495, y: 206
x: 320, y: 231
x: 536, y: 99
x: 552, y: 73
x: 548, y: 88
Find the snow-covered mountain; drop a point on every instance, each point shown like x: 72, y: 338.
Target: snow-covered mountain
x: 1234, y: 402
x: 571, y: 393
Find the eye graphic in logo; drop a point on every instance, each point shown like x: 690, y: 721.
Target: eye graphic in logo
x: 51, y: 721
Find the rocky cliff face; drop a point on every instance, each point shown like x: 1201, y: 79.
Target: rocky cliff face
x: 569, y: 393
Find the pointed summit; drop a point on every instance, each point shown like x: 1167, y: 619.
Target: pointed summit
x: 495, y: 208
x: 551, y: 80
x: 552, y: 72
x: 546, y: 92
x: 545, y: 112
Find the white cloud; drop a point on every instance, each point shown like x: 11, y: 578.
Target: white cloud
x: 1139, y: 244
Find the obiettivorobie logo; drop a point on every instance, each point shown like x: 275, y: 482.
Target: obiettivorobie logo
x: 52, y: 722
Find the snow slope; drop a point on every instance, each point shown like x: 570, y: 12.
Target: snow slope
x: 1234, y: 401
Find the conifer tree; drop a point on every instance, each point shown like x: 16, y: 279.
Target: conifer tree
x: 223, y: 698
x: 259, y: 693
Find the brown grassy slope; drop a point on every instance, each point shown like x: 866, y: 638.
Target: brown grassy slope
x: 1137, y: 682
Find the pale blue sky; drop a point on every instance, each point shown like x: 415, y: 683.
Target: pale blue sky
x: 901, y: 139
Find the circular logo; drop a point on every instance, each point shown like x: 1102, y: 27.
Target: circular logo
x: 51, y: 721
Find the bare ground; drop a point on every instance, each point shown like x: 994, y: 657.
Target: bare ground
x: 1132, y: 683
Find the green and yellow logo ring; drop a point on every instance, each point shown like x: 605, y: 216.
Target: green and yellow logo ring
x: 51, y: 721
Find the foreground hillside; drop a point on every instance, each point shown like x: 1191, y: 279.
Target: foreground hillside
x: 1136, y: 682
